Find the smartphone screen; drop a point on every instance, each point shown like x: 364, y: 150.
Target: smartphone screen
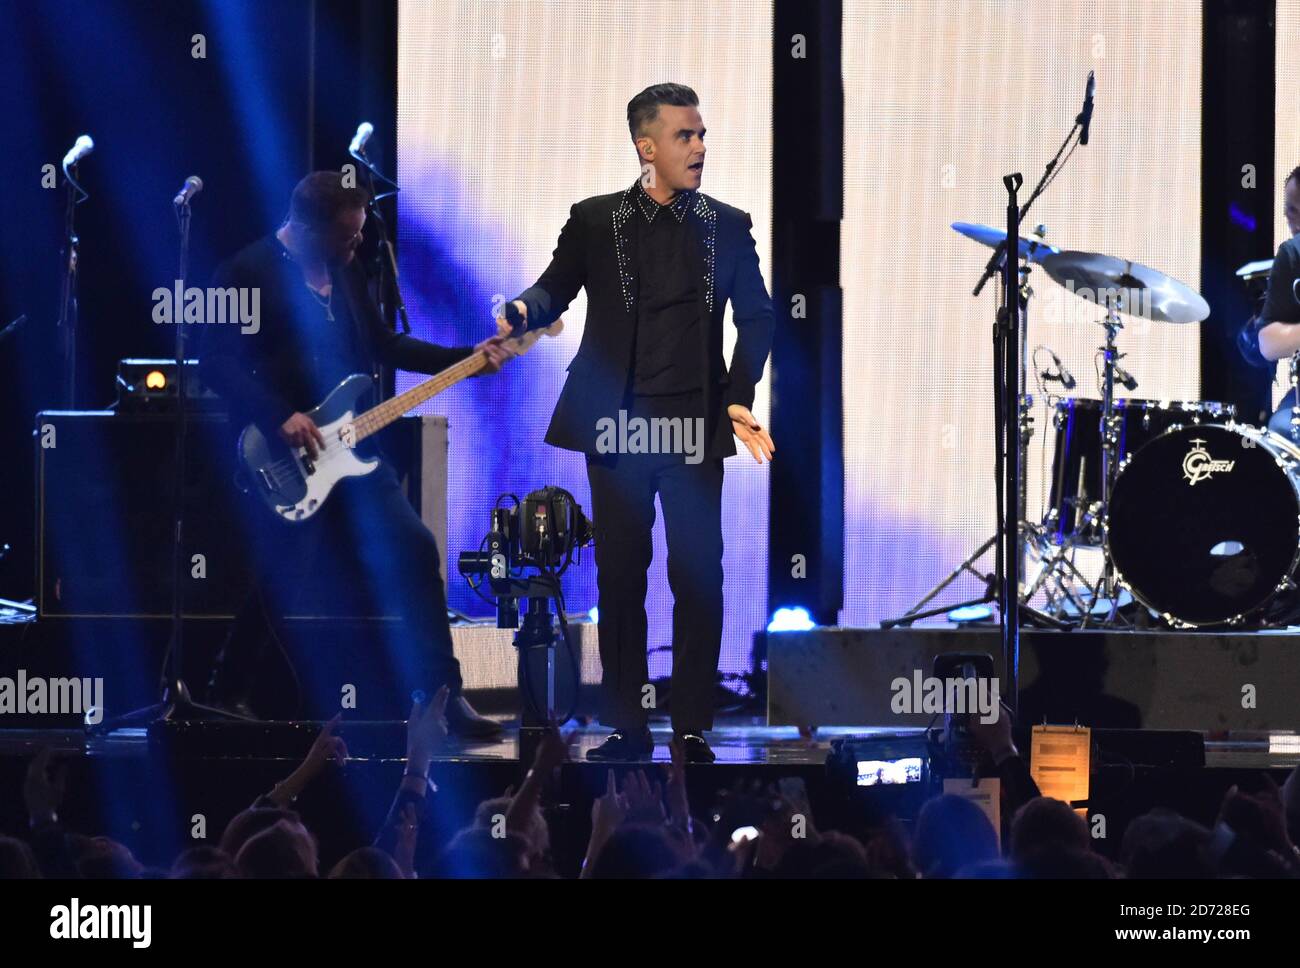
x: 880, y: 772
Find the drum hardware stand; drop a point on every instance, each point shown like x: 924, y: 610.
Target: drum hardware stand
x: 1024, y: 426
x: 1059, y: 560
x: 919, y: 612
x: 1105, y: 585
x: 1293, y: 372
x: 1025, y: 529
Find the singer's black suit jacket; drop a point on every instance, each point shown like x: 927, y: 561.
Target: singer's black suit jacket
x: 597, y: 250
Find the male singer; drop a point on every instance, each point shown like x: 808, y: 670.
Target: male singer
x: 659, y: 261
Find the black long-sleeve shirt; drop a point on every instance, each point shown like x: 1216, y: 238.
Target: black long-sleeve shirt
x: 295, y: 353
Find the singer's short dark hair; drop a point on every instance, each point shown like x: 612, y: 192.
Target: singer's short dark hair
x: 1294, y: 176
x: 644, y: 108
x: 321, y: 196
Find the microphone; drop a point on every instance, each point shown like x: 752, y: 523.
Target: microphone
x: 1061, y: 374
x: 364, y: 130
x: 193, y: 185
x: 1085, y: 116
x: 518, y: 325
x: 1125, y: 377
x: 84, y: 146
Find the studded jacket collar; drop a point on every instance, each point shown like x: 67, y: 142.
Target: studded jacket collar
x: 702, y: 216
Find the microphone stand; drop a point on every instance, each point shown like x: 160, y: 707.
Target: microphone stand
x: 176, y: 703
x: 68, y: 313
x: 1009, y: 378
x: 1006, y: 364
x: 387, y: 257
x: 388, y: 280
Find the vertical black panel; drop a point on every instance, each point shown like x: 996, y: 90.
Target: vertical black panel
x: 1236, y: 219
x: 807, y: 478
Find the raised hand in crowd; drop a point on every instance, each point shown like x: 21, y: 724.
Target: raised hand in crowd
x: 426, y: 731
x: 327, y: 749
x: 551, y: 752
x: 408, y: 835
x: 607, y: 814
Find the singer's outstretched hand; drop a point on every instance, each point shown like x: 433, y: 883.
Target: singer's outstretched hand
x: 751, y: 432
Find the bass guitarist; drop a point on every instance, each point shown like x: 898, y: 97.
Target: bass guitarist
x: 318, y: 325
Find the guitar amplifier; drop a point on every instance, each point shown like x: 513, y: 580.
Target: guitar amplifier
x: 151, y: 386
x: 104, y: 512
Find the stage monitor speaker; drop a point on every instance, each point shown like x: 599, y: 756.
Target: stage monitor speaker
x: 103, y: 512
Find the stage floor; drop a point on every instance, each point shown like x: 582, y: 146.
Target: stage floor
x: 741, y: 741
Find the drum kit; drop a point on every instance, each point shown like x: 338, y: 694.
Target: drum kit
x: 1196, y: 515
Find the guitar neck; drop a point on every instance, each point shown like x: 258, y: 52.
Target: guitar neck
x: 377, y: 418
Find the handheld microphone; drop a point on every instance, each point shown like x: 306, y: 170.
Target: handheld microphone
x: 193, y: 185
x: 83, y: 146
x: 1085, y: 116
x: 364, y: 130
x: 518, y: 324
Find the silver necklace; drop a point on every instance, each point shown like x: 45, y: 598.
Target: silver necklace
x: 326, y: 302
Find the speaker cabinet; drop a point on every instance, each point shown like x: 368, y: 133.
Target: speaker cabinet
x: 104, y: 512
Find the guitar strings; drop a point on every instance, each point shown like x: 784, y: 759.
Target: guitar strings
x: 378, y: 417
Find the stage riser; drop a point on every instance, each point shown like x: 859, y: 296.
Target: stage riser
x: 1150, y: 680
x: 127, y: 654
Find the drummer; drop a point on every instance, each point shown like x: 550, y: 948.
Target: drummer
x: 1279, y: 338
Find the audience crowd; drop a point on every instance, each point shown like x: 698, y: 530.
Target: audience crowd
x: 643, y: 826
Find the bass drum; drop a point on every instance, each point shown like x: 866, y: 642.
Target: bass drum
x: 1204, y: 525
x: 1076, y: 469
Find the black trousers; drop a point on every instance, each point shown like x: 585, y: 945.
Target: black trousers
x: 365, y: 553
x: 623, y: 489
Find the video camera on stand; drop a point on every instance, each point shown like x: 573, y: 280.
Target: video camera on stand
x: 521, y: 559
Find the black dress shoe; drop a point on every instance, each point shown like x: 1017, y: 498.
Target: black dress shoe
x: 697, y: 750
x: 464, y: 720
x: 626, y: 747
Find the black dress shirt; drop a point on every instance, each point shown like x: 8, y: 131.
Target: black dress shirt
x: 667, y: 341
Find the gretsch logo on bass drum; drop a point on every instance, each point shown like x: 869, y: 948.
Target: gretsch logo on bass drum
x: 1198, y: 464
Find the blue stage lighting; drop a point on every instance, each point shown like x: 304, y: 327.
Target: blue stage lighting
x: 969, y: 614
x: 791, y: 620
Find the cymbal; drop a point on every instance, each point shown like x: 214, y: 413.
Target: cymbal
x: 1256, y: 270
x: 1130, y: 287
x: 1031, y: 247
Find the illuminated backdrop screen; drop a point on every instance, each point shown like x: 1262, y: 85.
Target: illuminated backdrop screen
x: 508, y: 113
x: 942, y: 99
